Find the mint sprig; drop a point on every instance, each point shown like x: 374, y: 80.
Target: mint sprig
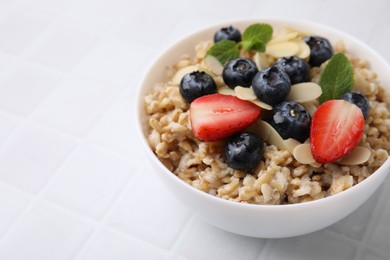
x: 224, y: 51
x: 254, y: 38
x: 337, y: 78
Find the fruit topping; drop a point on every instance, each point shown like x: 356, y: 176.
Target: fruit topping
x: 239, y: 72
x: 296, y: 68
x: 227, y: 33
x: 214, y: 117
x: 320, y: 50
x: 359, y: 100
x: 336, y: 128
x: 271, y: 85
x: 291, y: 120
x: 196, y: 84
x: 244, y: 151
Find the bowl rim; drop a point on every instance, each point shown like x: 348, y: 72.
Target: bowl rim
x: 383, y: 169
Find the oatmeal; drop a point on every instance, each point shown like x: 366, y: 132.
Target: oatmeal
x: 288, y: 171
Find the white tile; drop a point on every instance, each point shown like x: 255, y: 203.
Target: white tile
x: 31, y: 155
x: 352, y: 23
x: 227, y: 8
x: 7, y: 125
x: 355, y: 225
x: 318, y: 245
x: 62, y: 47
x: 148, y: 23
x: 96, y: 14
x: 117, y: 130
x: 109, y: 245
x: 90, y: 181
x: 45, y: 8
x: 24, y: 86
x: 298, y: 9
x: 5, y: 59
x: 12, y: 202
x: 76, y: 104
x: 45, y: 233
x: 380, y: 233
x: 189, y: 24
x: 203, y: 241
x: 147, y: 211
x: 18, y: 30
x: 114, y: 60
x: 374, y: 254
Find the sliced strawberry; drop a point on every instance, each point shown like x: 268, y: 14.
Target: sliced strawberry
x: 216, y: 116
x: 336, y: 128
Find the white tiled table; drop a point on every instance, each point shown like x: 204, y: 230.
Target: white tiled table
x: 74, y: 181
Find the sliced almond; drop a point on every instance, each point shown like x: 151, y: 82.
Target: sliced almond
x: 261, y: 104
x: 304, y: 92
x: 290, y: 144
x: 213, y: 65
x: 311, y: 107
x: 226, y: 91
x: 183, y: 71
x: 302, y: 153
x: 245, y: 93
x: 358, y: 155
x: 260, y: 60
x: 270, y: 135
x: 284, y: 37
x: 282, y: 49
x: 304, y: 51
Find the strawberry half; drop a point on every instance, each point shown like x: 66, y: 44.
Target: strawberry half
x: 336, y: 128
x: 214, y: 117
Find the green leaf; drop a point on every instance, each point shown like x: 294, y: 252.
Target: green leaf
x: 256, y: 36
x: 224, y: 51
x: 337, y: 78
x: 254, y: 45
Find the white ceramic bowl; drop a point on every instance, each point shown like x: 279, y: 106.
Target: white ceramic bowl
x: 267, y: 221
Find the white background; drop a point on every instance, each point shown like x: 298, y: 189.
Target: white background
x: 74, y: 181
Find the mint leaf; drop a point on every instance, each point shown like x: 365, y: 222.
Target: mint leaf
x: 256, y: 36
x: 337, y: 78
x: 224, y: 51
x: 255, y: 45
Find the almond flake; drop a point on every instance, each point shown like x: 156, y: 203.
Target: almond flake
x: 304, y: 52
x: 311, y: 107
x: 284, y: 37
x: 244, y: 93
x: 282, y: 49
x: 260, y: 60
x: 183, y: 71
x: 226, y: 91
x: 358, y: 155
x: 290, y: 144
x: 213, y: 65
x: 302, y: 153
x: 304, y: 92
x: 270, y: 135
x: 261, y: 104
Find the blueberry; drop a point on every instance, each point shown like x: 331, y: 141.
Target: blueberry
x: 291, y: 120
x: 296, y: 68
x: 244, y: 151
x: 359, y: 100
x: 227, y: 33
x: 271, y: 85
x: 196, y: 84
x: 320, y: 50
x: 239, y: 72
